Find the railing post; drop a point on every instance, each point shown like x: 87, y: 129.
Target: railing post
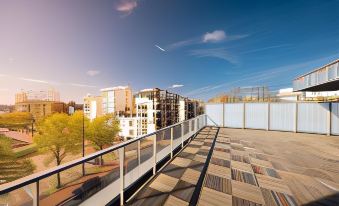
x: 171, y: 142
x: 154, y: 154
x: 122, y: 176
x: 182, y: 135
x: 35, y: 193
x: 329, y: 119
x: 139, y: 153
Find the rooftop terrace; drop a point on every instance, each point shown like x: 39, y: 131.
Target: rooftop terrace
x: 248, y: 167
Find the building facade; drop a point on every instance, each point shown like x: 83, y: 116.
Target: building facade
x: 40, y: 109
x: 93, y: 106
x: 129, y: 127
x: 156, y: 109
x: 117, y: 100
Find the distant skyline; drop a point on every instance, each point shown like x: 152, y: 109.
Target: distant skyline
x: 195, y: 48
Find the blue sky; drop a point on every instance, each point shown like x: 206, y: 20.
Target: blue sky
x: 206, y: 47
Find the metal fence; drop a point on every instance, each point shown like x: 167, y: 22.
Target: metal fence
x: 319, y: 118
x: 120, y: 166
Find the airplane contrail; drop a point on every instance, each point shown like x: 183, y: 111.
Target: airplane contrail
x: 160, y: 48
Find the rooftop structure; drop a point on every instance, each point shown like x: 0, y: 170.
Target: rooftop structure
x: 325, y: 78
x: 43, y: 95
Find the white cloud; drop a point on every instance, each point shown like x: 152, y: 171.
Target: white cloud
x: 34, y: 80
x: 265, y: 48
x: 82, y: 85
x: 177, y: 85
x: 126, y: 6
x: 92, y: 72
x: 215, y: 36
x: 183, y: 43
x: 220, y: 53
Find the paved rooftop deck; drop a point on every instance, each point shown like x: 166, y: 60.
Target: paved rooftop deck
x: 248, y: 167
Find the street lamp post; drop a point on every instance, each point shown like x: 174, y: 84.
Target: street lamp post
x: 83, y: 141
x: 33, y: 120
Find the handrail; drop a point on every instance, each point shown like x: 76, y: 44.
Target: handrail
x: 16, y: 184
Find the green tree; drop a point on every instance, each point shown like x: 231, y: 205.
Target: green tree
x: 16, y: 120
x: 103, y: 131
x: 10, y: 167
x: 60, y: 135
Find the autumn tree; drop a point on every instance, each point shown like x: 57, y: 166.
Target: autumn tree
x: 12, y: 168
x: 103, y: 131
x: 60, y: 135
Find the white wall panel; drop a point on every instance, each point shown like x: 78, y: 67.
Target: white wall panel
x: 335, y: 119
x: 233, y: 115
x: 312, y: 117
x: 256, y: 115
x: 214, y: 112
x: 282, y: 116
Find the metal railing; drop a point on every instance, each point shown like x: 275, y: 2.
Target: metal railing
x: 109, y: 172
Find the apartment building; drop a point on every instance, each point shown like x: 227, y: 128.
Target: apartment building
x: 156, y: 109
x: 129, y: 127
x: 117, y: 100
x: 93, y: 106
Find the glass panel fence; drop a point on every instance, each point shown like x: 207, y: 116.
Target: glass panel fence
x: 163, y: 144
x: 177, y: 136
x: 97, y: 181
x: 146, y: 154
x: 107, y: 170
x: 131, y: 163
x: 186, y: 127
x: 21, y: 196
x: 192, y: 125
x: 71, y: 187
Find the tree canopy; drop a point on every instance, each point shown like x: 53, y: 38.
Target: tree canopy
x: 16, y: 120
x: 103, y: 131
x: 60, y: 135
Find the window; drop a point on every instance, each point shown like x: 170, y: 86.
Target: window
x: 130, y: 123
x: 131, y: 132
